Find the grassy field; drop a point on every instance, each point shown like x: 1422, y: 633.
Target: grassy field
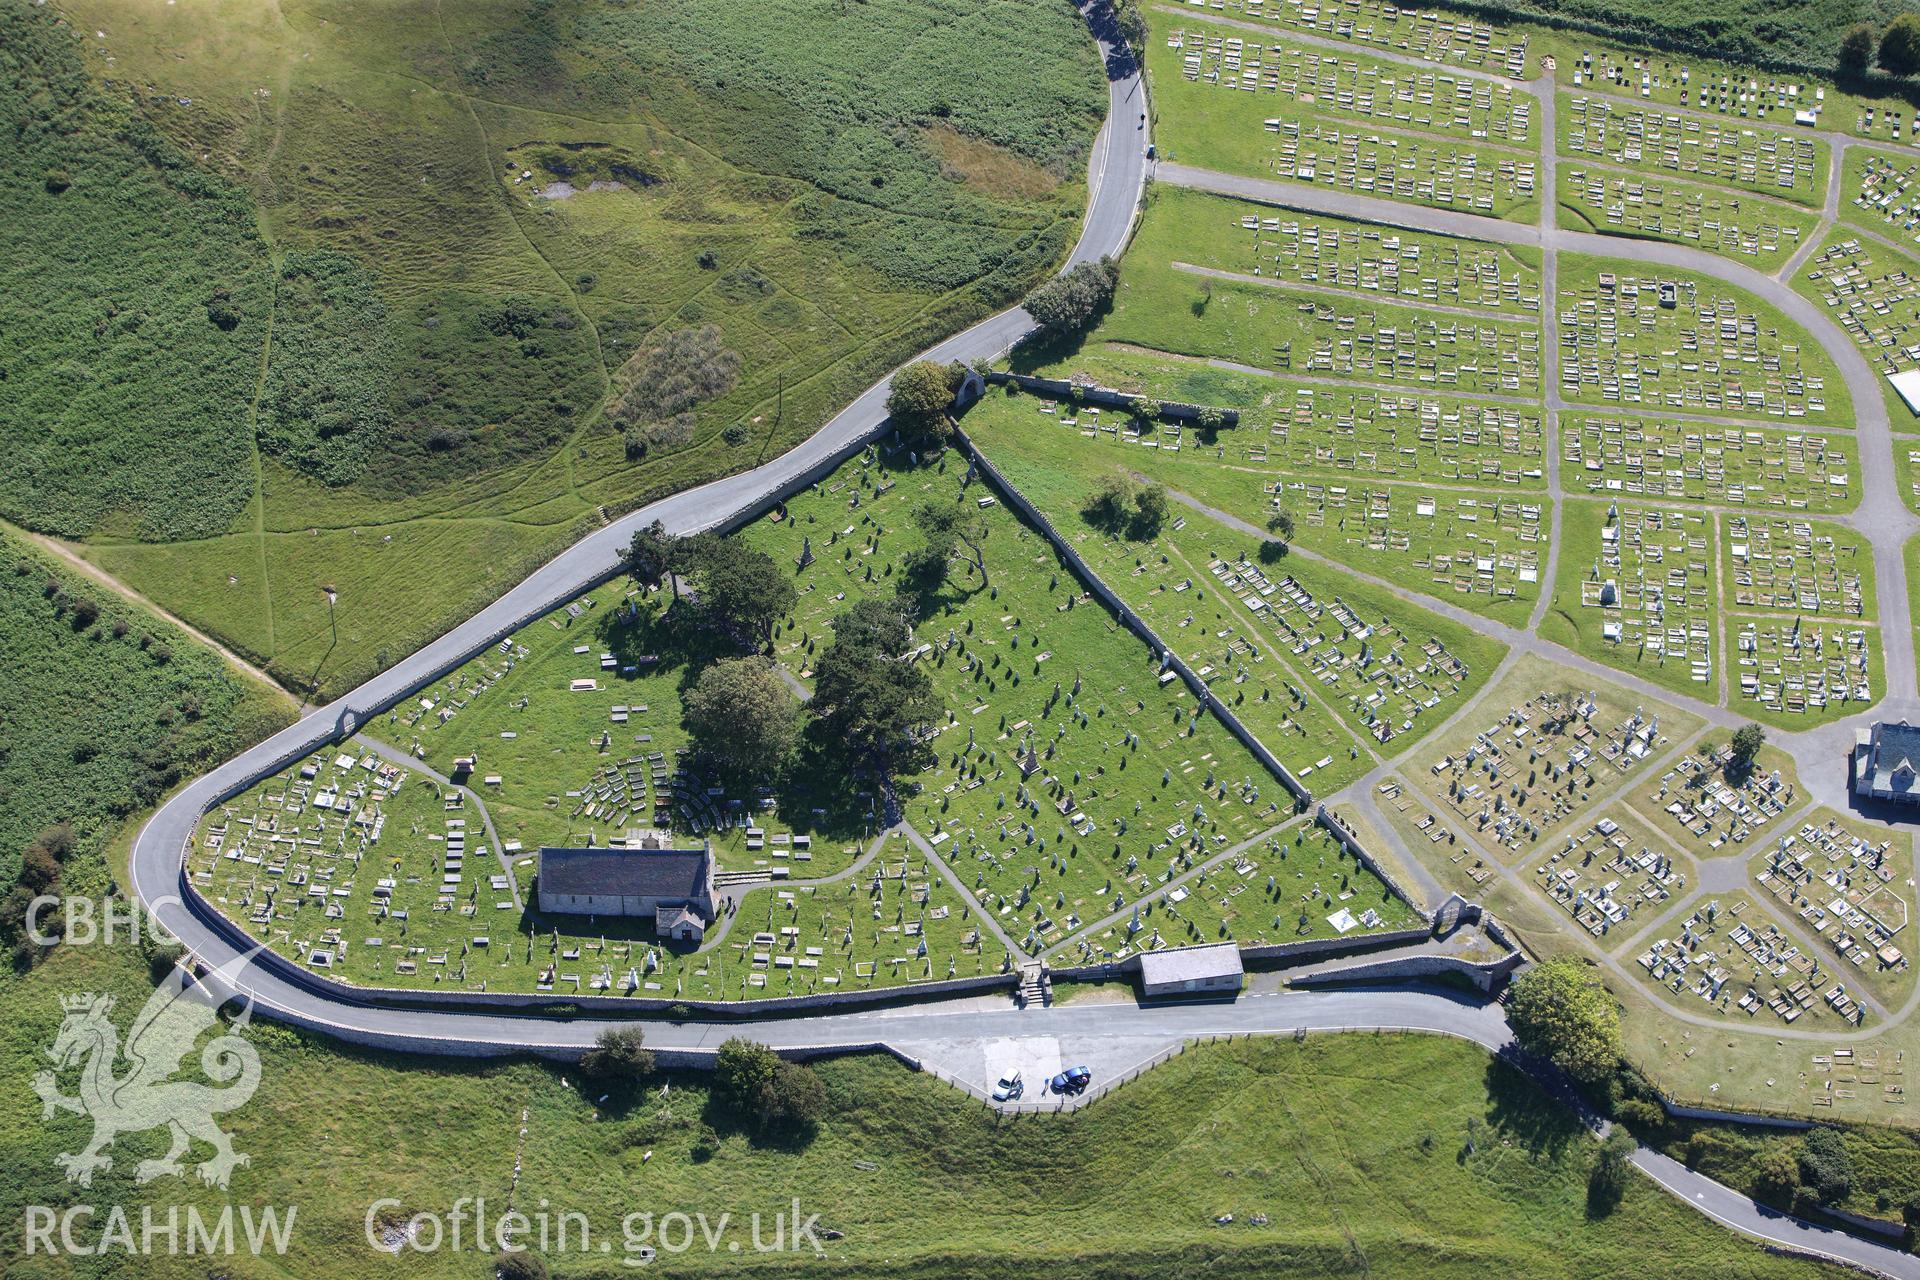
x: 1415, y: 1153
x: 106, y: 708
x: 421, y: 268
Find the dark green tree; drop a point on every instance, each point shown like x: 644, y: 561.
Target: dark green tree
x: 1070, y: 302
x: 737, y: 590
x: 1559, y: 1010
x: 619, y: 1058
x: 918, y: 400
x: 743, y: 718
x: 868, y: 699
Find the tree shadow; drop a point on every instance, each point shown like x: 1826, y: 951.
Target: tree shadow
x: 1520, y: 1109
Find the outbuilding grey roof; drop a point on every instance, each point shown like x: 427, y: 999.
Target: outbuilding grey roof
x: 1188, y: 964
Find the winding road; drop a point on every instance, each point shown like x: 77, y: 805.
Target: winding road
x: 948, y: 1038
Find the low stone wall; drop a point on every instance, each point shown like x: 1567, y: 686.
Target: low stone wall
x: 1485, y: 977
x: 1131, y: 620
x: 1275, y: 956
x: 1106, y: 398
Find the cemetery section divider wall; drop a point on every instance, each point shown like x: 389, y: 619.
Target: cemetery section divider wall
x: 1134, y: 623
x: 1351, y: 843
x: 1081, y: 392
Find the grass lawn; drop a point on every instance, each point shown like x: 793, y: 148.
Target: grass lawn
x: 1846, y: 885
x: 1329, y: 429
x: 400, y: 266
x: 1645, y: 553
x: 1783, y: 165
x: 1126, y: 773
x: 1416, y: 1152
x: 1696, y: 804
x: 1388, y: 669
x: 1868, y: 290
x: 1547, y: 749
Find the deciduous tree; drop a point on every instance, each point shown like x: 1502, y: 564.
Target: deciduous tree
x: 1560, y: 1010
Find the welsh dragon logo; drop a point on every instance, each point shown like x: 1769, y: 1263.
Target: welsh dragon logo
x: 144, y: 1095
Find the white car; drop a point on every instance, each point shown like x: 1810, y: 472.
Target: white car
x: 1009, y: 1088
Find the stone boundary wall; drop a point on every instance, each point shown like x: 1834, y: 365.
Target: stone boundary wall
x: 1275, y: 956
x: 1131, y: 620
x: 1351, y: 843
x: 1484, y: 977
x: 1107, y: 398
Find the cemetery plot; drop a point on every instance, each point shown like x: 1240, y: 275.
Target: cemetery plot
x: 1440, y: 541
x: 1687, y: 343
x: 1298, y: 885
x: 362, y: 870
x: 1637, y: 591
x: 572, y: 730
x: 1788, y: 166
x: 1789, y: 564
x: 1302, y: 637
x: 1363, y: 88
x: 1290, y: 427
x: 1704, y: 462
x: 1270, y: 135
x: 1737, y: 960
x: 1849, y: 886
x: 1323, y: 334
x: 1611, y: 873
x: 1882, y: 191
x: 1256, y: 240
x: 1762, y: 233
x: 1482, y: 549
x: 1794, y: 672
x: 1437, y: 37
x: 1739, y: 93
x: 1700, y: 804
x: 1874, y: 294
x: 897, y: 921
x: 1067, y: 756
x: 1543, y: 754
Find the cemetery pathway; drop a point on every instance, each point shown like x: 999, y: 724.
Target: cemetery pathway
x: 395, y: 756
